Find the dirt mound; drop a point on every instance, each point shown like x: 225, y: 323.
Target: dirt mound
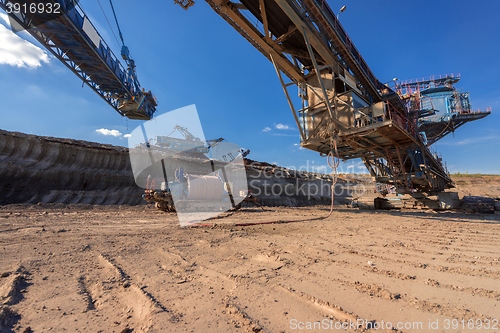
x: 12, y: 285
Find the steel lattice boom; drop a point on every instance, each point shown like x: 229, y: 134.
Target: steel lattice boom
x: 344, y: 110
x: 73, y: 40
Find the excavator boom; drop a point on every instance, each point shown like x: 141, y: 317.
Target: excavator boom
x: 74, y: 41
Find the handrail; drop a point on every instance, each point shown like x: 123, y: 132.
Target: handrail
x: 348, y: 44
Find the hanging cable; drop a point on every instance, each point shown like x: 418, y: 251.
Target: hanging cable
x: 109, y: 23
x: 333, y: 161
x: 444, y: 130
x: 116, y: 20
x: 124, y: 51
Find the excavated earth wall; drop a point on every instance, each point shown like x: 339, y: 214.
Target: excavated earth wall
x: 36, y: 169
x: 277, y: 186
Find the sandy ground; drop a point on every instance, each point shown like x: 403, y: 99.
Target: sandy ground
x: 133, y: 269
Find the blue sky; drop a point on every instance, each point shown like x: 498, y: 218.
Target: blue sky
x: 195, y: 57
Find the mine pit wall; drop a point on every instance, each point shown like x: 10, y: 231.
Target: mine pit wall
x: 276, y: 186
x: 35, y: 169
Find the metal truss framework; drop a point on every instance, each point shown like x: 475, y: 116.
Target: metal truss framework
x: 73, y: 40
x: 414, y: 95
x: 306, y: 43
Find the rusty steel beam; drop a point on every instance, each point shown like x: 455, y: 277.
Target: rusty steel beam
x: 319, y: 17
x: 300, y: 22
x: 231, y: 14
x: 264, y: 20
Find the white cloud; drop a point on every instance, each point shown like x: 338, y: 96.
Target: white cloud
x: 281, y: 126
x: 15, y: 51
x: 105, y: 131
x: 127, y: 135
x: 5, y: 18
x: 468, y: 141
